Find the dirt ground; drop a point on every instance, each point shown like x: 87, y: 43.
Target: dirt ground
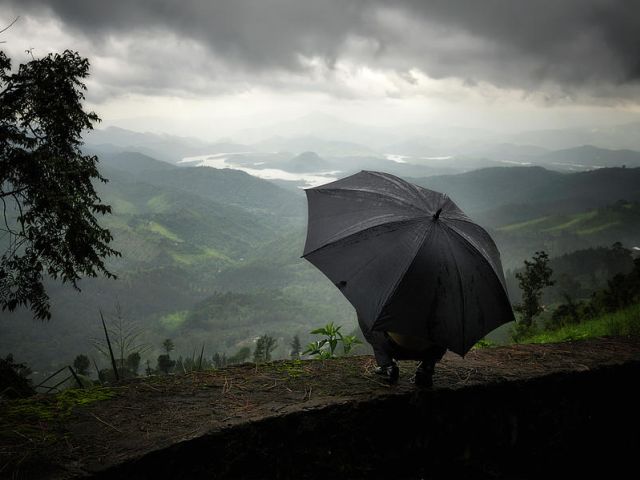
x: 149, y: 414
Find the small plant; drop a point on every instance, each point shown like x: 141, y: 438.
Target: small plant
x: 326, y: 347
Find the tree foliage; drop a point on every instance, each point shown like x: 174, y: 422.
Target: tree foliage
x: 48, y: 201
x: 165, y: 364
x: 535, y: 277
x: 264, y: 348
x: 126, y: 340
x: 81, y: 364
x: 168, y: 345
x: 622, y: 291
x: 296, y: 347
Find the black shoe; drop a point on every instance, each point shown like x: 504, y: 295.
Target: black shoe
x: 390, y: 372
x: 424, y: 376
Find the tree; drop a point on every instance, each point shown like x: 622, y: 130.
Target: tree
x: 295, y: 347
x: 565, y: 314
x: 536, y: 276
x: 168, y: 345
x: 48, y: 201
x: 264, y: 347
x: 13, y: 379
x: 133, y: 362
x: 165, y: 364
x: 126, y: 339
x: 81, y: 364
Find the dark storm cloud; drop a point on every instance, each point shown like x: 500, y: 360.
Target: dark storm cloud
x: 585, y: 45
x: 569, y: 41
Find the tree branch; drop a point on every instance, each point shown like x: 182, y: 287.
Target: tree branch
x: 10, y: 25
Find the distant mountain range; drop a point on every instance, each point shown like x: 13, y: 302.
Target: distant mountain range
x: 415, y: 156
x: 504, y: 195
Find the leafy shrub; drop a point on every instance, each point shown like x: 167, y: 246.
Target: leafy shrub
x: 326, y: 347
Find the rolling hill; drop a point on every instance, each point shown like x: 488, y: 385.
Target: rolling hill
x: 214, y: 255
x: 503, y: 195
x: 621, y: 218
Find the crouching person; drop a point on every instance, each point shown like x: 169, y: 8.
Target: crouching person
x: 388, y: 347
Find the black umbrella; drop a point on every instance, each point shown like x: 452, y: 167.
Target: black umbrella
x: 408, y: 259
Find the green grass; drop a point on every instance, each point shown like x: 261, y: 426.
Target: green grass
x: 622, y: 322
x: 57, y: 406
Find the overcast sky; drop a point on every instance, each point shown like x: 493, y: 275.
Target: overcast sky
x: 211, y: 68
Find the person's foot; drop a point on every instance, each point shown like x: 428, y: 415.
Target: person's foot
x: 390, y: 372
x: 424, y: 375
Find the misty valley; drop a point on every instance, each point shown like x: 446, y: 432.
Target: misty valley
x: 211, y: 256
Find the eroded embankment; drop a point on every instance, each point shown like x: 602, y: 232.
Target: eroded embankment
x: 512, y: 412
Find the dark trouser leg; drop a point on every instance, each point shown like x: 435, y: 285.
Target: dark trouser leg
x: 424, y: 372
x: 433, y: 355
x: 383, y: 354
x: 380, y: 350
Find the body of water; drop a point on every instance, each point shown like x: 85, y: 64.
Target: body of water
x: 225, y: 160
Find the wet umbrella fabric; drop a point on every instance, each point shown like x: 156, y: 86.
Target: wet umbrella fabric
x: 407, y: 258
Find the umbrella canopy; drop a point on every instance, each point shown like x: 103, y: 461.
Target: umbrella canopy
x: 408, y: 259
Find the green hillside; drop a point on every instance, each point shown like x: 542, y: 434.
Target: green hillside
x: 559, y: 234
x: 160, y: 225
x: 588, y: 155
x: 578, y: 273
x: 622, y: 218
x: 501, y: 196
x: 232, y: 187
x: 621, y: 322
x: 228, y: 320
x: 213, y: 256
x: 132, y: 162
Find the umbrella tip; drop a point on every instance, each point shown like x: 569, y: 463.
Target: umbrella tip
x: 437, y: 214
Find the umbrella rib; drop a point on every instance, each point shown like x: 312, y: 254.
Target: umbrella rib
x: 464, y: 239
x: 374, y: 192
x: 398, y: 182
x: 334, y: 241
x: 396, y: 285
x: 485, y: 259
x: 460, y: 284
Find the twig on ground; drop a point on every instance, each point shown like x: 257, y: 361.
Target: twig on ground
x: 106, y: 423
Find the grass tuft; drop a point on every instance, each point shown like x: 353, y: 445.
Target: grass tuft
x: 621, y: 323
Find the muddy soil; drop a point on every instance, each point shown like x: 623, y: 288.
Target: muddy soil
x: 220, y: 412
